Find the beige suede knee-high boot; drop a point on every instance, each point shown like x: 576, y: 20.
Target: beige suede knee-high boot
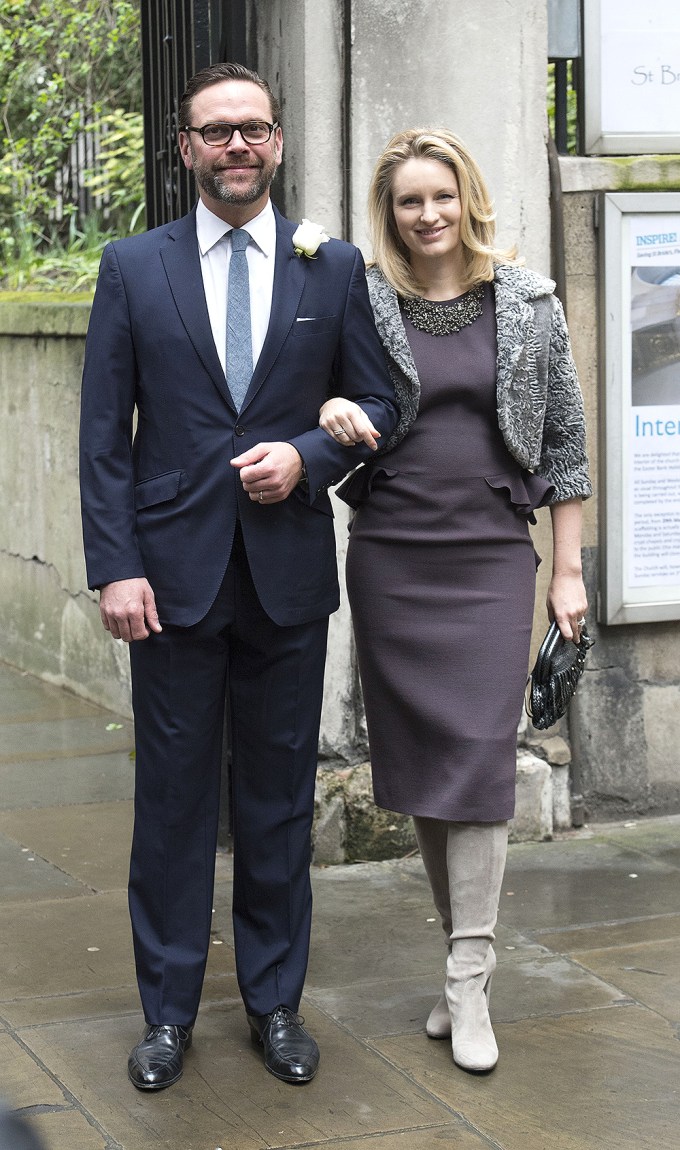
x: 465, y: 863
x: 476, y: 854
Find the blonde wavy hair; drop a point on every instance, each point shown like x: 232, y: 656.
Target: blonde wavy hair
x: 478, y: 219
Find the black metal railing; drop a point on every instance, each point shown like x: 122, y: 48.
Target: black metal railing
x: 178, y: 38
x: 567, y: 105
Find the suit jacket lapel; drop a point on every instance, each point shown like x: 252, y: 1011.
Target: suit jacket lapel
x: 289, y: 282
x: 183, y: 268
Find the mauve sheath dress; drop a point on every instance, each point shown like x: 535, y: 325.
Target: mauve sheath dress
x: 441, y: 574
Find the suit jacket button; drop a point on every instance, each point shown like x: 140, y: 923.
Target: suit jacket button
x: 239, y: 430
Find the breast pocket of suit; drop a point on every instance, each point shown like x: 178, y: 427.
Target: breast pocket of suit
x: 158, y: 491
x: 306, y: 327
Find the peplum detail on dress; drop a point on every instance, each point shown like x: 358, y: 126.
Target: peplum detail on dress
x: 527, y: 491
x: 356, y: 489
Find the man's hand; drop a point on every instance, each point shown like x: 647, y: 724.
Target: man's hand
x: 128, y: 609
x: 269, y: 471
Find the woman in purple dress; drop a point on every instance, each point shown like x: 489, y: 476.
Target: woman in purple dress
x: 441, y: 567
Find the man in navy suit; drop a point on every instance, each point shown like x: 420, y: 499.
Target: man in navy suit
x: 209, y: 534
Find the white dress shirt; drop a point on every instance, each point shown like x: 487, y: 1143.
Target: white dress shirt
x: 214, y: 247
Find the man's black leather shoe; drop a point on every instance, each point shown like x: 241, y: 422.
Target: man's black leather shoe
x: 290, y: 1053
x: 158, y: 1060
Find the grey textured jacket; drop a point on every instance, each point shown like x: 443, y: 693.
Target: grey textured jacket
x: 539, y: 402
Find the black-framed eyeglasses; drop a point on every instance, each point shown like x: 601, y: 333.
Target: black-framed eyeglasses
x: 218, y: 134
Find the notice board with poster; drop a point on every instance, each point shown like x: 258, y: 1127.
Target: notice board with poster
x: 632, y: 76
x: 640, y: 410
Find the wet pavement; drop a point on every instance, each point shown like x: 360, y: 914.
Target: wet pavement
x: 585, y: 1004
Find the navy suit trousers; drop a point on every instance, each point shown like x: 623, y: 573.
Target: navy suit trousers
x: 273, y: 678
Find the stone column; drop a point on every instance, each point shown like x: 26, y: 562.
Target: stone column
x: 477, y: 69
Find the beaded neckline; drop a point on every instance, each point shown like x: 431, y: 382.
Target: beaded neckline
x: 437, y: 318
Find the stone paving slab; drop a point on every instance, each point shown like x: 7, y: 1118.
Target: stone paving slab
x: 581, y: 881
x: 658, y: 838
x: 580, y: 1082
x: 27, y: 876
x: 89, y: 842
x: 594, y: 936
x: 371, y: 919
x: 64, y: 947
x: 25, y: 699
x: 648, y: 972
x: 23, y: 1079
x: 81, y: 735
x: 51, y: 1111
x: 80, y: 779
x: 68, y: 1129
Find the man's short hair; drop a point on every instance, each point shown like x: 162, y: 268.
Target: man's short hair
x: 216, y: 74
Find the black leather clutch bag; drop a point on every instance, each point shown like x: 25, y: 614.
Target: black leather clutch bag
x: 555, y: 677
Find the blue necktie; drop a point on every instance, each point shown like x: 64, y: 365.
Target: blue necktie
x: 239, y: 338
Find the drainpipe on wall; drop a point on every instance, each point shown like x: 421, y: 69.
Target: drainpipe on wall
x: 347, y: 121
x: 559, y: 274
x: 557, y: 260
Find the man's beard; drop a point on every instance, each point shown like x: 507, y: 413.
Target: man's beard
x: 210, y: 183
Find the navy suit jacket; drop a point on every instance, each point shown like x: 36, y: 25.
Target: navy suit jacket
x: 163, y: 503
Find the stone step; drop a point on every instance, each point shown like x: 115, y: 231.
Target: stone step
x: 350, y: 828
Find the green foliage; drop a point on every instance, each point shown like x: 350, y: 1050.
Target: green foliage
x: 118, y: 177
x: 572, y: 108
x: 68, y: 264
x: 70, y: 84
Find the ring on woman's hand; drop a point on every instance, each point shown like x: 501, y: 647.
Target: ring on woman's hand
x: 259, y: 495
x: 340, y: 432
x: 581, y: 622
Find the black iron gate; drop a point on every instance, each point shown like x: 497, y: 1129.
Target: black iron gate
x: 178, y: 38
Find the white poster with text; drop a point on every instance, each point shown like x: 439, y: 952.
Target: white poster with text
x: 654, y: 455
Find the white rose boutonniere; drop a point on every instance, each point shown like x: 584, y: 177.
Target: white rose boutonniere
x: 307, y: 239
